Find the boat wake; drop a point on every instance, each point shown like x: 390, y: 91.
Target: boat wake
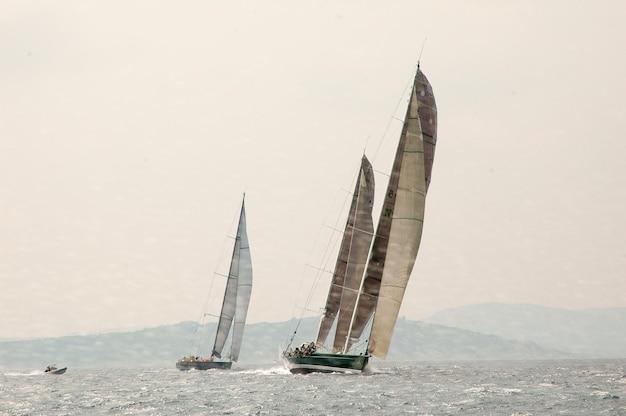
x: 371, y: 370
x: 32, y: 373
x: 278, y: 370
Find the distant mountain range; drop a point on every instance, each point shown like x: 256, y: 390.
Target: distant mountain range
x: 479, y: 332
x: 162, y: 346
x: 589, y: 333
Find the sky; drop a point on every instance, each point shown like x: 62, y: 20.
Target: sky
x: 130, y: 129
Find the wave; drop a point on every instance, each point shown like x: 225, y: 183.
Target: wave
x: 278, y: 370
x: 32, y: 373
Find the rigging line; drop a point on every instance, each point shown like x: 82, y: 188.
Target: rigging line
x: 315, y: 242
x: 339, y: 242
x: 419, y: 58
x: 391, y: 118
x: 325, y: 259
x: 227, y: 276
x: 301, y: 281
x: 361, y: 176
x: 382, y: 173
x: 310, y: 310
x: 327, y: 253
x: 367, y: 140
x: 339, y: 230
x: 354, y: 290
x: 196, y: 345
x: 319, y: 268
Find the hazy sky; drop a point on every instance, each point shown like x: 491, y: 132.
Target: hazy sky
x: 129, y: 130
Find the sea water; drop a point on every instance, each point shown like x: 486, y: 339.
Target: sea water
x: 481, y: 388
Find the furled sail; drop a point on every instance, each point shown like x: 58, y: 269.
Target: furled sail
x: 351, y: 260
x: 240, y: 269
x: 244, y: 287
x: 400, y: 226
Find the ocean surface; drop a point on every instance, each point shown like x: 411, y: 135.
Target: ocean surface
x: 570, y: 387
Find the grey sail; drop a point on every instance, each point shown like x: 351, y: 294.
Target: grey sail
x: 244, y: 286
x: 399, y: 229
x: 351, y: 260
x: 361, y: 239
x: 229, y: 304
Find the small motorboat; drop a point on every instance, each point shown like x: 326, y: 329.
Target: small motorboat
x: 51, y: 369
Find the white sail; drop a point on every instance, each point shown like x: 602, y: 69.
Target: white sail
x: 239, y: 278
x: 244, y: 287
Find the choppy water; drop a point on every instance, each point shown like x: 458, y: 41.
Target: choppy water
x: 486, y: 388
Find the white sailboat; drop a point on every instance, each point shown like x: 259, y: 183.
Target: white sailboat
x: 356, y: 299
x: 232, y: 318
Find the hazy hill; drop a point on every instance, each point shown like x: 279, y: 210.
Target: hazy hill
x: 592, y: 333
x: 161, y: 346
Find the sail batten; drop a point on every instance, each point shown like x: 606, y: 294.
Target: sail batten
x: 351, y: 261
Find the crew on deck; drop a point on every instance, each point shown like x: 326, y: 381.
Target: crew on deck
x: 303, y: 351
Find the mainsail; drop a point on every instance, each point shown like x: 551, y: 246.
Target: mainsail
x: 237, y: 293
x: 351, y: 260
x: 400, y: 226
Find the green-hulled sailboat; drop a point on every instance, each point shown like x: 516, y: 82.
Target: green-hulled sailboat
x: 232, y: 318
x: 372, y: 270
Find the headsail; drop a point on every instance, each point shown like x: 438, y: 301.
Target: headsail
x: 351, y: 259
x: 239, y: 277
x: 400, y: 226
x: 244, y: 286
x: 362, y: 234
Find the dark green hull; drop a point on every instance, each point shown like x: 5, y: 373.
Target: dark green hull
x: 185, y: 365
x: 326, y: 363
